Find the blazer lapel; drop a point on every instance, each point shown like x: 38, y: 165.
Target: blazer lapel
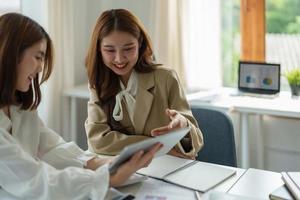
x: 144, y: 100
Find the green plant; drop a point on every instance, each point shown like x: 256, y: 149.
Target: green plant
x: 293, y: 76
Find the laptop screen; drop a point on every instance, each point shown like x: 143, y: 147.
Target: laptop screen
x: 262, y: 78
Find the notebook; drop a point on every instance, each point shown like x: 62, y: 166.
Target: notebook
x: 292, y: 182
x: 281, y: 193
x: 259, y: 78
x: 196, y: 175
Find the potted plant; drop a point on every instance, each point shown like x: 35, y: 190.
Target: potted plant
x: 293, y: 77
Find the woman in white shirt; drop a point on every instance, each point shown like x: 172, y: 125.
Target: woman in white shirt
x: 35, y: 162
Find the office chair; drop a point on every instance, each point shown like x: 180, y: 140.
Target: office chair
x: 218, y: 134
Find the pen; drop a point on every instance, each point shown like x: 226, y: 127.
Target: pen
x: 197, y: 195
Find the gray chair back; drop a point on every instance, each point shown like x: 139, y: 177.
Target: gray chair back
x: 218, y: 134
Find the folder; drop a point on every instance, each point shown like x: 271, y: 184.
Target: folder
x: 196, y: 175
x: 292, y: 182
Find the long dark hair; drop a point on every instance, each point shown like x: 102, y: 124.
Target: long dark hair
x: 101, y: 78
x: 17, y: 33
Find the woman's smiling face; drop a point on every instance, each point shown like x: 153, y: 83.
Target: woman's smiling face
x: 32, y: 62
x: 120, y: 51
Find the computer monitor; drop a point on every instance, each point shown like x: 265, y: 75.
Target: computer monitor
x: 260, y: 78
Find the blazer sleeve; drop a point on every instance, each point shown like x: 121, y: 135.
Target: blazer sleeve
x: 193, y: 142
x: 30, y: 178
x: 101, y: 139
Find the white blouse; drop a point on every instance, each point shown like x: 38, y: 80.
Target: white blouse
x: 36, y: 163
x: 128, y: 94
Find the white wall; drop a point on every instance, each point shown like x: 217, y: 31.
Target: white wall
x: 81, y: 37
x: 37, y: 10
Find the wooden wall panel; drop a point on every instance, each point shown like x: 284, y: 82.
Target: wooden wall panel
x: 252, y: 30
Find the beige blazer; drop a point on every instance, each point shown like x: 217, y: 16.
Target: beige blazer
x: 157, y: 91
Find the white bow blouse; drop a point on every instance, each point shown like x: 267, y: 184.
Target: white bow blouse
x: 129, y: 94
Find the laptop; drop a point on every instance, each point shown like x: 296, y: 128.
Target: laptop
x: 260, y: 79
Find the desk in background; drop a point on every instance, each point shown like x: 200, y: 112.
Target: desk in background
x: 226, y: 100
x: 282, y: 106
x: 72, y: 95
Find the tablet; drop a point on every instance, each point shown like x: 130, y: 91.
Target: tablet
x: 169, y: 140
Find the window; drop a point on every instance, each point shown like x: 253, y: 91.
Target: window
x: 202, y: 47
x: 282, y: 37
x: 213, y: 43
x: 283, y: 34
x: 230, y: 39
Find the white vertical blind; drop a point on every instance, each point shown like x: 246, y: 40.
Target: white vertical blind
x: 58, y: 19
x: 202, y: 44
x: 167, y: 34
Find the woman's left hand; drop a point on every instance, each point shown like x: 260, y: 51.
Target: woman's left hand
x: 177, y: 121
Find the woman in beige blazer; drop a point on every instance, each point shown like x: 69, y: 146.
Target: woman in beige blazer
x: 131, y: 97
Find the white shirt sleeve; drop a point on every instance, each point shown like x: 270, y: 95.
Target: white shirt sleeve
x: 28, y: 178
x: 55, y: 151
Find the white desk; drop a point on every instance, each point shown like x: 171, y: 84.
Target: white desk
x: 257, y: 183
x: 251, y: 183
x: 72, y: 94
x: 282, y: 106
